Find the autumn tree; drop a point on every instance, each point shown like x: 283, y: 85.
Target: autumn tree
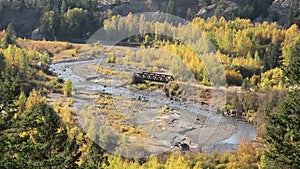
x: 68, y: 88
x: 76, y: 21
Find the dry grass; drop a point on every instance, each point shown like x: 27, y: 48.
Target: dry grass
x: 66, y: 54
x: 102, y: 70
x: 58, y: 50
x: 53, y: 47
x: 117, y: 120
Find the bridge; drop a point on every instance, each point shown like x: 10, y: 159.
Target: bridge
x: 156, y: 77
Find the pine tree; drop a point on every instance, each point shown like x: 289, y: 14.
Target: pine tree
x: 118, y: 2
x: 9, y: 87
x: 246, y: 84
x: 203, y: 3
x: 6, y: 121
x: 63, y: 7
x: 283, y: 129
x: 283, y: 134
x: 189, y: 14
x: 171, y: 7
x: 2, y: 62
x: 38, y: 139
x: 290, y: 17
x: 271, y: 60
x: 293, y: 70
x: 47, y: 23
x: 10, y: 37
x: 96, y: 158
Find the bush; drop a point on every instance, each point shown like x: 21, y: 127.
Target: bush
x: 111, y: 58
x: 246, y: 84
x: 233, y: 77
x: 68, y: 88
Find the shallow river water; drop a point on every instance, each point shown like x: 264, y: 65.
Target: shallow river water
x: 78, y: 73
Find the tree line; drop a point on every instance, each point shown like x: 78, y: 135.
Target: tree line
x: 251, y: 53
x: 64, y: 19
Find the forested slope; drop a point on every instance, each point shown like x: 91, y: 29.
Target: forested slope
x: 77, y: 20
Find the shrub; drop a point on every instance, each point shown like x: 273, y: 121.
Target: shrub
x: 111, y: 58
x: 68, y: 88
x: 233, y: 77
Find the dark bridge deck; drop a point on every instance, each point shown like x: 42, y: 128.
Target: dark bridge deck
x: 156, y: 77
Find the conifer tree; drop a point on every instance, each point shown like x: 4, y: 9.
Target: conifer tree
x: 9, y: 87
x: 10, y: 36
x: 283, y: 129
x: 293, y: 69
x: 189, y: 14
x: 283, y: 134
x: 96, y: 158
x: 171, y: 7
x: 2, y: 62
x: 38, y: 139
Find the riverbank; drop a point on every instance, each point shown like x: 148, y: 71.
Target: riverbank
x: 188, y: 120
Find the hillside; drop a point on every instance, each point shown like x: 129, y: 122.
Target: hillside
x: 54, y: 18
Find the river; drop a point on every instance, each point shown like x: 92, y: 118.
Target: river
x: 228, y: 132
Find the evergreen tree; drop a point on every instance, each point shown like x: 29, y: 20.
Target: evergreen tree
x: 271, y: 60
x: 283, y: 134
x: 10, y: 36
x: 219, y: 10
x: 6, y: 121
x: 9, y: 87
x: 63, y: 7
x: 203, y: 3
x: 171, y: 7
x: 96, y: 157
x: 118, y: 2
x: 10, y: 31
x: 290, y: 17
x: 246, y: 84
x: 38, y: 139
x: 189, y: 14
x: 47, y: 23
x: 283, y: 129
x: 293, y: 70
x: 2, y: 62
